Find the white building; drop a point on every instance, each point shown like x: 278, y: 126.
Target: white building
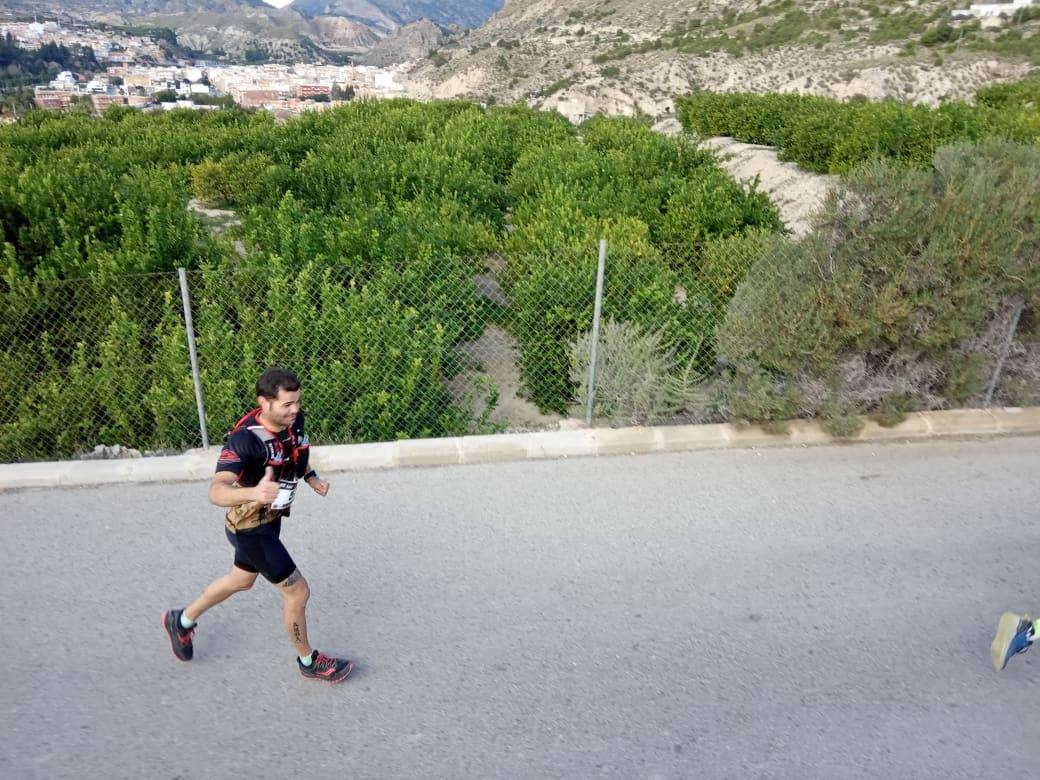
x: 991, y: 10
x: 385, y: 82
x: 65, y: 81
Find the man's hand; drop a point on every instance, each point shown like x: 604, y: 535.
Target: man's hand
x: 266, y: 490
x: 318, y: 485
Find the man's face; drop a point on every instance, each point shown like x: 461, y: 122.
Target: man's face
x: 281, y: 411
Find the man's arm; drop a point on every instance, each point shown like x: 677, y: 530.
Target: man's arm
x: 317, y: 484
x: 224, y: 492
x: 303, y: 469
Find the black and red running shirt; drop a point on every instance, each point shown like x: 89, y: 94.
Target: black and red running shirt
x: 247, y: 456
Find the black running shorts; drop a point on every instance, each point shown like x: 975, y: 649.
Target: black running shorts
x: 260, y: 550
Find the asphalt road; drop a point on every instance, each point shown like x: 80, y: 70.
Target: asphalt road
x: 797, y: 613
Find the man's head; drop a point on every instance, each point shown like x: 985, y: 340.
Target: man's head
x: 278, y: 393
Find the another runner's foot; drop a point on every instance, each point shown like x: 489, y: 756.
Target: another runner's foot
x: 324, y: 668
x: 180, y: 637
x: 1014, y: 634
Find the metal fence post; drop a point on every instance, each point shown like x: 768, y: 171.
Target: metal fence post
x: 591, y: 390
x: 190, y: 330
x: 1015, y: 317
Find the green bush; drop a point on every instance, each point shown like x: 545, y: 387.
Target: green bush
x: 211, y: 183
x: 645, y: 193
x: 831, y: 137
x: 552, y: 290
x: 711, y: 206
x: 373, y: 368
x: 1019, y: 93
x: 889, y: 305
x: 111, y: 368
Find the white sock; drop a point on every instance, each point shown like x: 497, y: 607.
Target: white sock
x: 186, y: 622
x: 306, y: 659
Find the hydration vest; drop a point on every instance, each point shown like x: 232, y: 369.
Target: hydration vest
x: 253, y: 514
x: 276, y: 455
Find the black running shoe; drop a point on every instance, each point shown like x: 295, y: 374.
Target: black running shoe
x: 180, y: 637
x: 324, y: 668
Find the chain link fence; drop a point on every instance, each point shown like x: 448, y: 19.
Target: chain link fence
x: 444, y: 346
x: 93, y: 361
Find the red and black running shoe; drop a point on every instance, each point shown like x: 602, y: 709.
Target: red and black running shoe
x: 324, y: 668
x: 180, y: 637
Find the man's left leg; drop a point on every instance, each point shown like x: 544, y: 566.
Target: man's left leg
x: 295, y: 593
x: 313, y: 665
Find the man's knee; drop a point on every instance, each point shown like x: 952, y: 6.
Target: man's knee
x: 242, y: 579
x: 295, y: 588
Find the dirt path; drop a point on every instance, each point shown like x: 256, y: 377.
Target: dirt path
x: 494, y: 358
x: 797, y: 193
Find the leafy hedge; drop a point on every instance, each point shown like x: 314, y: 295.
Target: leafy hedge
x: 659, y: 202
x: 829, y: 136
x: 1025, y: 94
x: 98, y: 360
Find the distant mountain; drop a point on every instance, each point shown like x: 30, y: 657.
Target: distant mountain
x: 390, y: 14
x: 370, y: 14
x: 409, y: 43
x: 133, y: 8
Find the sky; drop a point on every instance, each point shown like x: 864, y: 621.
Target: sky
x: 278, y: 3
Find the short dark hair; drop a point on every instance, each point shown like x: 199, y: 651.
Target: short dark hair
x: 275, y: 379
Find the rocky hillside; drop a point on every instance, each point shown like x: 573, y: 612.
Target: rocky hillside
x: 617, y: 57
x: 409, y: 43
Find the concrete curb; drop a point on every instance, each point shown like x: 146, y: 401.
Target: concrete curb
x: 198, y: 464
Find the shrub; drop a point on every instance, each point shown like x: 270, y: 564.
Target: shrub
x: 373, y: 368
x: 830, y: 137
x: 1019, y: 93
x: 211, y: 183
x: 638, y: 380
x: 883, y: 308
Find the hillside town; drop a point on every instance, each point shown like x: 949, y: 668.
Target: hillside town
x: 133, y: 72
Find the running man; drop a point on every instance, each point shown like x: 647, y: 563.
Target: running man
x: 1015, y: 633
x: 257, y: 472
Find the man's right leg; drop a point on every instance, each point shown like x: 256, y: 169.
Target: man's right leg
x: 180, y: 623
x: 233, y: 582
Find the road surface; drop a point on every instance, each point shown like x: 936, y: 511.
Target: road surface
x: 799, y: 613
